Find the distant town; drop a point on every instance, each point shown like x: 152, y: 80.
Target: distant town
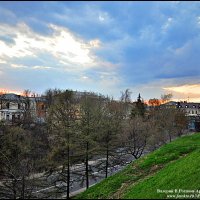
x: 14, y: 106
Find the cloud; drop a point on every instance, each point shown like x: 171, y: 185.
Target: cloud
x: 72, y: 52
x: 95, y: 43
x: 104, y: 17
x: 166, y: 26
x: 61, y: 57
x: 146, y: 46
x: 185, y: 89
x: 18, y: 66
x: 2, y: 61
x: 84, y: 77
x: 41, y: 67
x: 187, y: 92
x: 101, y: 18
x: 104, y: 82
x: 198, y: 20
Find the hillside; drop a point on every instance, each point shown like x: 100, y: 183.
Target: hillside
x: 172, y: 170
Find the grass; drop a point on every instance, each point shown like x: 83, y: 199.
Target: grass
x: 174, y: 166
x: 182, y: 174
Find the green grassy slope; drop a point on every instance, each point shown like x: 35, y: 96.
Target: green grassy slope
x: 173, y: 166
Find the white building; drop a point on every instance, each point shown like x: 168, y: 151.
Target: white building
x: 13, y: 108
x: 192, y: 111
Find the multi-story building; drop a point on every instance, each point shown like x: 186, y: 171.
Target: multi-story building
x: 14, y: 107
x: 192, y: 111
x: 11, y: 107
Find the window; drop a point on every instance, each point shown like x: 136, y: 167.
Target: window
x: 194, y: 106
x: 42, y: 107
x: 7, y: 105
x: 19, y: 105
x: 7, y: 117
x: 186, y: 106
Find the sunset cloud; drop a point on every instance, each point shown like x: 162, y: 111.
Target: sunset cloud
x: 185, y: 89
x: 188, y: 92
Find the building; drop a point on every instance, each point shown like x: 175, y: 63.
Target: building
x: 38, y: 108
x: 192, y: 111
x: 14, y: 107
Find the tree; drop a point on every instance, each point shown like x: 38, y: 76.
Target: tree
x: 125, y: 100
x: 27, y: 115
x: 166, y: 97
x: 62, y: 121
x: 157, y: 137
x: 181, y: 121
x: 40, y: 147
x: 34, y: 109
x: 50, y: 94
x: 16, y: 164
x: 110, y: 122
x: 126, y: 96
x: 168, y: 122
x: 139, y: 109
x: 89, y: 110
x: 136, y: 133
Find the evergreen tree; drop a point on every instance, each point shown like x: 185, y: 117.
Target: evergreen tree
x: 139, y: 109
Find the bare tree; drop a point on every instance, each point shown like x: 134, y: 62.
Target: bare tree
x: 16, y: 164
x: 89, y: 109
x: 50, y: 94
x: 166, y: 97
x: 136, y: 133
x: 62, y: 119
x: 180, y: 122
x: 126, y: 96
x: 110, y: 127
x: 27, y: 115
x: 170, y: 122
x: 126, y: 104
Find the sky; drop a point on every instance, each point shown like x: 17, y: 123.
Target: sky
x: 151, y: 48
